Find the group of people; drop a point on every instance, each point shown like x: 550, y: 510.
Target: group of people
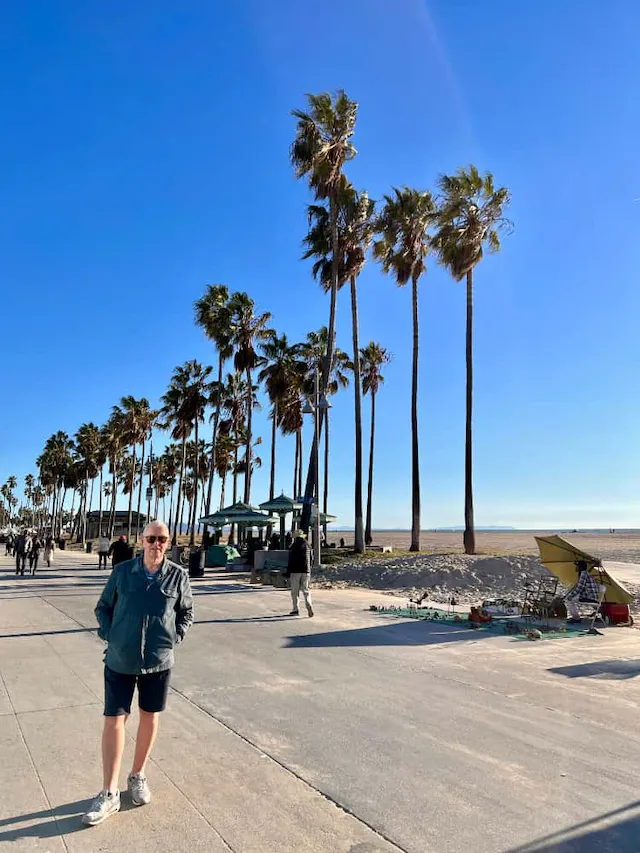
x: 27, y: 546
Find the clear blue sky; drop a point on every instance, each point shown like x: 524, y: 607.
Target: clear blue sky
x: 145, y: 154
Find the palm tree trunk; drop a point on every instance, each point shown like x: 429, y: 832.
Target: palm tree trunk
x: 247, y: 453
x: 415, y: 455
x: 88, y: 512
x: 295, y: 466
x: 131, y: 488
x: 73, y: 500
x: 359, y: 541
x: 223, y: 490
x: 156, y: 505
x: 178, y: 496
x: 274, y: 433
x: 312, y: 474
x: 140, y: 492
x: 171, y: 504
x: 196, y: 472
x: 100, y: 505
x: 326, y: 474
x: 367, y: 533
x: 469, y: 529
x: 114, y: 495
x: 214, y: 437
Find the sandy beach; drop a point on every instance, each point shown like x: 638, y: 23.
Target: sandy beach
x: 613, y: 546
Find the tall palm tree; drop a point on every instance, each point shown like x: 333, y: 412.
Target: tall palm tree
x: 183, y: 411
x: 372, y: 358
x: 29, y: 482
x: 213, y: 315
x: 114, y: 440
x: 469, y: 219
x: 313, y: 350
x: 402, y: 247
x: 321, y: 148
x: 171, y: 465
x: 249, y: 330
x: 355, y: 232
x: 225, y: 451
x: 283, y: 376
x: 53, y: 464
x: 87, y: 448
x: 137, y: 421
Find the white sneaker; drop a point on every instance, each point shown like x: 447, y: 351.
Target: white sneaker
x: 104, y: 805
x: 138, y: 789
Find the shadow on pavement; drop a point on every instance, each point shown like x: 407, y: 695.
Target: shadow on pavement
x: 614, y: 670
x: 52, y: 633
x: 62, y: 820
x: 621, y: 836
x: 410, y: 633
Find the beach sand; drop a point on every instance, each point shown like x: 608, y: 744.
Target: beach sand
x: 611, y: 546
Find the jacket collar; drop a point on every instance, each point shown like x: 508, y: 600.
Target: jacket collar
x: 138, y: 567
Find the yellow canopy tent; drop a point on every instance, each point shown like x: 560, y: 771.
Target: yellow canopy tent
x: 560, y: 557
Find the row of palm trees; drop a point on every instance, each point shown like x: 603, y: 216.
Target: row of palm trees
x: 455, y: 225
x: 116, y: 457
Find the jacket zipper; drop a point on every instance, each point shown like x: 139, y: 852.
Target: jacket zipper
x: 143, y: 643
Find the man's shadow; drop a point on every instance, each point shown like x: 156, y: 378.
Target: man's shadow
x: 61, y: 820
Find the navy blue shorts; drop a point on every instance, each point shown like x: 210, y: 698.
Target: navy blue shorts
x: 118, y: 691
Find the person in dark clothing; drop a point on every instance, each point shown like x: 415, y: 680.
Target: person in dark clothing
x: 288, y: 539
x: 34, y: 553
x: 299, y: 572
x: 21, y: 553
x: 120, y: 551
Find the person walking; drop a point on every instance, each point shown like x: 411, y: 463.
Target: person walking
x: 49, y: 548
x: 8, y: 552
x: 34, y: 552
x: 144, y: 612
x: 103, y: 550
x: 20, y: 550
x: 299, y: 572
x: 119, y: 551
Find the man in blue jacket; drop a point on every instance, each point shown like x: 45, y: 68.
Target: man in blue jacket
x: 144, y: 611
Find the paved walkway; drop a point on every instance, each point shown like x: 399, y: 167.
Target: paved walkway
x: 348, y: 733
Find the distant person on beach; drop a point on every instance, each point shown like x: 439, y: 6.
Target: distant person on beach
x: 48, y: 550
x: 103, y: 550
x: 585, y: 590
x: 119, y: 551
x: 144, y: 612
x: 21, y: 552
x: 34, y: 553
x: 299, y: 572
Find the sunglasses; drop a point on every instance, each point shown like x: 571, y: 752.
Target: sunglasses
x: 161, y: 539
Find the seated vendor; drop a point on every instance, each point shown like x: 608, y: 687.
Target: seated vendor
x: 585, y: 589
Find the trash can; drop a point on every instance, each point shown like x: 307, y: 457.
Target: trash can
x: 196, y: 564
x: 89, y: 546
x: 62, y: 544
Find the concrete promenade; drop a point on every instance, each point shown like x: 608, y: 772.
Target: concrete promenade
x: 346, y: 733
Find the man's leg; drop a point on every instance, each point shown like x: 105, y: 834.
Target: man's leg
x: 147, y: 731
x: 572, y: 608
x: 304, y: 586
x: 112, y: 749
x: 294, y: 581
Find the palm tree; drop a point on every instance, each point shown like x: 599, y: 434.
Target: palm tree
x: 29, y: 482
x: 137, y: 422
x: 114, y: 441
x: 249, y: 330
x: 183, y: 409
x: 372, y: 358
x: 283, y: 376
x: 313, y: 350
x: 171, y: 465
x: 319, y: 152
x: 402, y: 249
x: 213, y: 315
x: 87, y: 448
x: 355, y: 232
x: 225, y: 451
x: 53, y: 464
x: 469, y: 218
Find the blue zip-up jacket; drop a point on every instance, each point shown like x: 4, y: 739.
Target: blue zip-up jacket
x: 142, y: 619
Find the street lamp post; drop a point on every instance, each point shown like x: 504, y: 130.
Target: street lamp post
x: 319, y: 404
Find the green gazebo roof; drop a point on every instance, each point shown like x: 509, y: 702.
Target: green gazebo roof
x: 282, y: 505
